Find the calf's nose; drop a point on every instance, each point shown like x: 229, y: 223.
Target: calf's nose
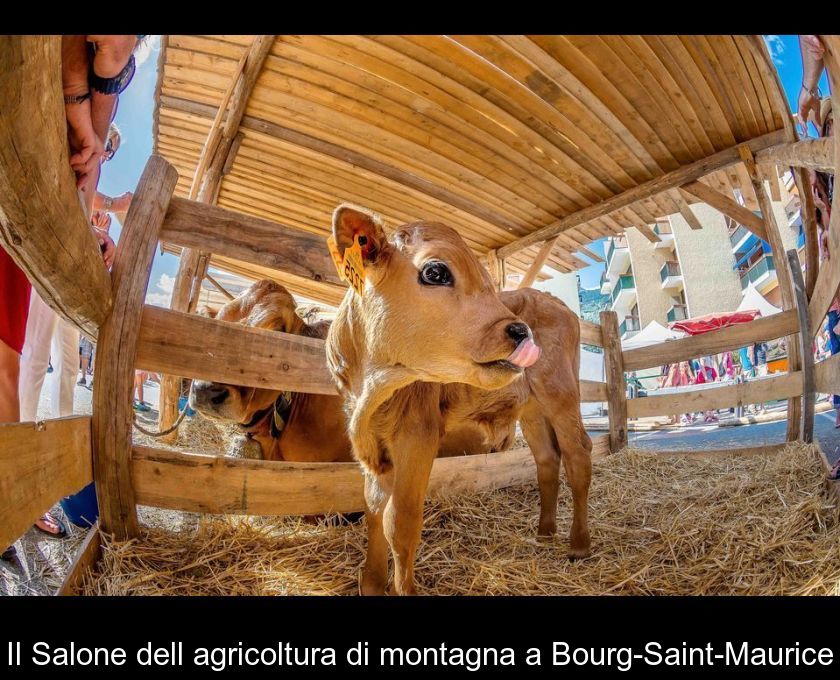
x: 208, y: 392
x: 518, y: 332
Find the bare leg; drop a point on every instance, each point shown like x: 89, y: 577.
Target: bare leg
x: 540, y: 438
x: 374, y: 576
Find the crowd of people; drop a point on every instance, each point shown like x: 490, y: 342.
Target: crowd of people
x: 95, y: 70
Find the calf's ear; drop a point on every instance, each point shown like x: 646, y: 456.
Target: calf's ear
x: 350, y: 222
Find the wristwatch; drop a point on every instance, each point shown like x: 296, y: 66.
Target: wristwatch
x: 814, y: 92
x: 107, y: 203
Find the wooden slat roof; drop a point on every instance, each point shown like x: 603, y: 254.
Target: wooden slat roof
x: 498, y: 136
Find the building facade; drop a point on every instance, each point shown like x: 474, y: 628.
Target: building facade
x: 691, y: 272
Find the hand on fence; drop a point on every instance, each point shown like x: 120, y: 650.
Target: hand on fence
x: 106, y: 244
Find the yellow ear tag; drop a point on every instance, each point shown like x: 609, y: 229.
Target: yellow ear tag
x: 351, y: 267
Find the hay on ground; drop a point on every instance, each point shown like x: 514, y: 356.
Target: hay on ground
x: 660, y: 525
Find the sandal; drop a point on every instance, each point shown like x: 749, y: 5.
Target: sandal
x: 49, y: 519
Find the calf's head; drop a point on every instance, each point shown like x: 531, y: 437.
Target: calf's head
x: 267, y: 305
x: 429, y: 309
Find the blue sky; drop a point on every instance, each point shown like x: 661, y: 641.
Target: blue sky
x: 134, y: 118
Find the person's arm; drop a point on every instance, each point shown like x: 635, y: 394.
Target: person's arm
x: 116, y: 204
x: 85, y: 146
x: 112, y: 55
x: 812, y: 52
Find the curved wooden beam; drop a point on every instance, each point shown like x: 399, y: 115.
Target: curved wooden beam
x: 42, y: 224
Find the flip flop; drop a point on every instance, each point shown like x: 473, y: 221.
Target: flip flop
x: 62, y: 530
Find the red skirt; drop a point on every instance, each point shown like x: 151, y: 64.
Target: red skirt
x: 15, y: 290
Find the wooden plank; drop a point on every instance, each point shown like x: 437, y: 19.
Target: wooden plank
x: 813, y: 154
x: 694, y: 400
x: 534, y: 269
x: 42, y: 224
x: 728, y: 206
x: 616, y: 386
x: 692, y: 347
x: 218, y: 286
x: 763, y: 450
x: 352, y: 157
x: 590, y: 333
x: 806, y: 422
x: 250, y: 239
x: 829, y: 276
x: 88, y: 555
x: 690, y: 217
x: 221, y: 485
x: 112, y: 393
x: 593, y: 391
x: 674, y: 178
x: 40, y: 463
x: 827, y: 375
x: 207, y: 349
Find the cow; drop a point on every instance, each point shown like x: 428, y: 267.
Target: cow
x: 428, y: 347
x: 286, y: 426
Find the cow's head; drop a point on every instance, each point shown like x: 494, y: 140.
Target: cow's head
x: 267, y: 305
x: 429, y: 310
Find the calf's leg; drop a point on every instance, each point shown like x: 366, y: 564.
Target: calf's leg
x: 576, y: 448
x: 540, y: 438
x: 374, y: 576
x: 403, y: 519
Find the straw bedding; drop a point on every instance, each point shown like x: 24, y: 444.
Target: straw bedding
x: 660, y: 525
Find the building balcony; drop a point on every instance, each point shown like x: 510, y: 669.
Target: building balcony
x: 618, y: 256
x: 666, y: 236
x: 624, y: 292
x: 671, y: 275
x: 677, y: 313
x: 606, y: 284
x: 629, y: 327
x: 738, y: 237
x: 760, y: 274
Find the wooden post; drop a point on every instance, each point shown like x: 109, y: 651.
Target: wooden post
x: 805, y: 347
x: 616, y: 386
x: 774, y: 238
x: 117, y: 346
x: 537, y: 265
x: 216, y: 156
x: 809, y: 228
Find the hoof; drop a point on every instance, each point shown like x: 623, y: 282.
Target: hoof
x: 370, y: 584
x: 578, y: 553
x: 547, y: 530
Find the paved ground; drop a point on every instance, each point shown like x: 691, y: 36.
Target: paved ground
x: 713, y: 437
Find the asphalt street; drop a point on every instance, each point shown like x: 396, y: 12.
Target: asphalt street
x: 713, y: 437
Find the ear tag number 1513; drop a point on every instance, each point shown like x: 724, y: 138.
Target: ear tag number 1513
x: 351, y: 267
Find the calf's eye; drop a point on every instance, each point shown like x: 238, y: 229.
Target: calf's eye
x: 435, y: 274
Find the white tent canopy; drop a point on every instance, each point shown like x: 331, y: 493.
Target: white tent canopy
x: 755, y: 300
x: 651, y: 334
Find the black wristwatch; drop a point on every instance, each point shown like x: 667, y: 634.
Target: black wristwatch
x: 113, y: 85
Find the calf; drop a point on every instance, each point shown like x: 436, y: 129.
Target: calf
x: 286, y: 426
x: 430, y: 348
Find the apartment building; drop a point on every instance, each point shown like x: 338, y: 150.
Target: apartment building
x: 688, y: 272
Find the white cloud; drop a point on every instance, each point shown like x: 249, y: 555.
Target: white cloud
x: 776, y: 47
x: 162, y: 296
x: 149, y: 46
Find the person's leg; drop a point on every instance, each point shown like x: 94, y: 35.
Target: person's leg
x: 65, y: 343
x: 9, y: 377
x: 834, y: 348
x: 35, y: 356
x: 84, y: 359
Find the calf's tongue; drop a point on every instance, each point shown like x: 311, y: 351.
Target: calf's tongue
x: 525, y: 354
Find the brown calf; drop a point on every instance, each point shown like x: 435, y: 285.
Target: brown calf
x: 430, y: 348
x: 292, y: 426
